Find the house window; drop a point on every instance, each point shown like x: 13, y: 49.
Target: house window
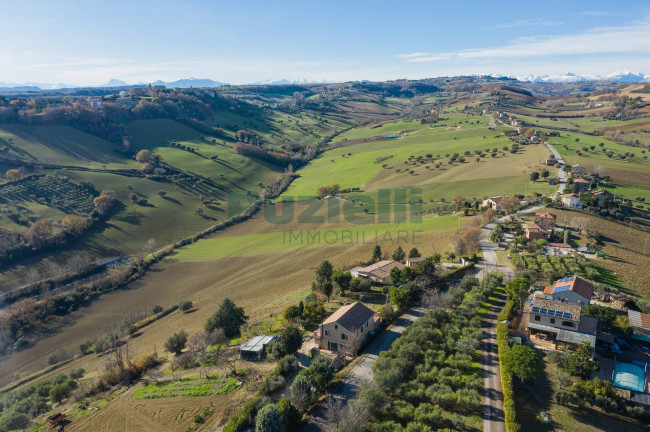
x: 344, y: 336
x: 326, y: 332
x: 336, y: 326
x: 567, y: 323
x: 552, y: 320
x: 537, y: 318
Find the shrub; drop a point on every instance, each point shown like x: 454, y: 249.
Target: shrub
x: 290, y: 340
x: 13, y: 421
x: 301, y: 392
x: 157, y: 309
x: 185, y: 305
x: 77, y: 373
x: 274, y: 384
x: 288, y: 364
x: 176, y: 342
x: 84, y: 347
x: 59, y: 392
x: 52, y: 359
x: 269, y: 419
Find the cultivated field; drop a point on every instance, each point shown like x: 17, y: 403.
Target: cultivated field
x: 626, y: 250
x: 361, y: 163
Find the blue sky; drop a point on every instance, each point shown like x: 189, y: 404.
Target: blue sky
x: 90, y: 42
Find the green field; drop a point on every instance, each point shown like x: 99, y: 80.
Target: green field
x: 62, y: 145
x: 186, y: 387
x: 163, y: 219
x: 357, y: 165
x: 294, y: 237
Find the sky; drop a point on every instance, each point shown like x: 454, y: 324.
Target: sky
x: 90, y: 42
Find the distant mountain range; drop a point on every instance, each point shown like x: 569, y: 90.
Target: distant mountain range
x: 624, y: 76
x: 181, y: 83
x: 286, y: 82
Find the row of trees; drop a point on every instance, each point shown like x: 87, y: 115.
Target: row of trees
x: 426, y: 380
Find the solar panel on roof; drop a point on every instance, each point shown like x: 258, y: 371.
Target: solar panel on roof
x: 566, y: 315
x: 535, y: 309
x: 543, y: 310
x: 563, y: 288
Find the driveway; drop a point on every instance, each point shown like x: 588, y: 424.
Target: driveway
x: 560, y: 174
x: 323, y: 418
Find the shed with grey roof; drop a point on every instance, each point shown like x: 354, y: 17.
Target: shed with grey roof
x: 255, y: 349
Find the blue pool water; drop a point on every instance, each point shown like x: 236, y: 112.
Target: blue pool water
x: 629, y: 376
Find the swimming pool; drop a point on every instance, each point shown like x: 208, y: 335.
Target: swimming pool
x: 629, y: 376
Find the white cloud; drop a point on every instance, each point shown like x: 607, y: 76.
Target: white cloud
x: 624, y: 39
x: 411, y: 55
x: 526, y: 23
x: 594, y: 13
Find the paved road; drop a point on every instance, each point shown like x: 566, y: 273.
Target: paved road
x: 348, y: 389
x: 493, y: 417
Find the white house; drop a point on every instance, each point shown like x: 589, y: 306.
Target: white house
x: 570, y: 289
x: 570, y: 200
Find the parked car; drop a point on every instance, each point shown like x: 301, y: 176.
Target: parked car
x: 624, y: 345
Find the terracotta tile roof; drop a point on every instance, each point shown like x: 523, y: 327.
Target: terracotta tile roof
x: 382, y: 268
x: 572, y: 283
x: 571, y: 195
x: 546, y: 216
x: 601, y: 192
x: 351, y: 316
x: 536, y: 228
x: 639, y: 319
x: 415, y: 260
x: 559, y: 245
x: 497, y: 199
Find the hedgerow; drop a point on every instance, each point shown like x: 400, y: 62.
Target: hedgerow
x: 506, y: 375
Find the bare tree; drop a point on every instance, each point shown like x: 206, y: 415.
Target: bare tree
x: 509, y: 204
x: 353, y: 418
x: 150, y: 246
x: 353, y: 345
x: 300, y: 397
x: 332, y: 412
x: 32, y: 276
x: 155, y: 374
x: 78, y: 263
x: 432, y: 298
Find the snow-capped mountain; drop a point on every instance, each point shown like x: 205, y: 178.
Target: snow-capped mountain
x: 287, y: 82
x: 190, y: 82
x: 569, y: 77
x: 115, y: 83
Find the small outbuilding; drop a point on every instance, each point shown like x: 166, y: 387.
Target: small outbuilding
x: 255, y: 349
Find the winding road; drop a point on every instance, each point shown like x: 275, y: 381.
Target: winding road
x: 493, y: 418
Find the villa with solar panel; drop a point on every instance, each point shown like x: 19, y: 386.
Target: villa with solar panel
x: 572, y: 289
x: 553, y: 324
